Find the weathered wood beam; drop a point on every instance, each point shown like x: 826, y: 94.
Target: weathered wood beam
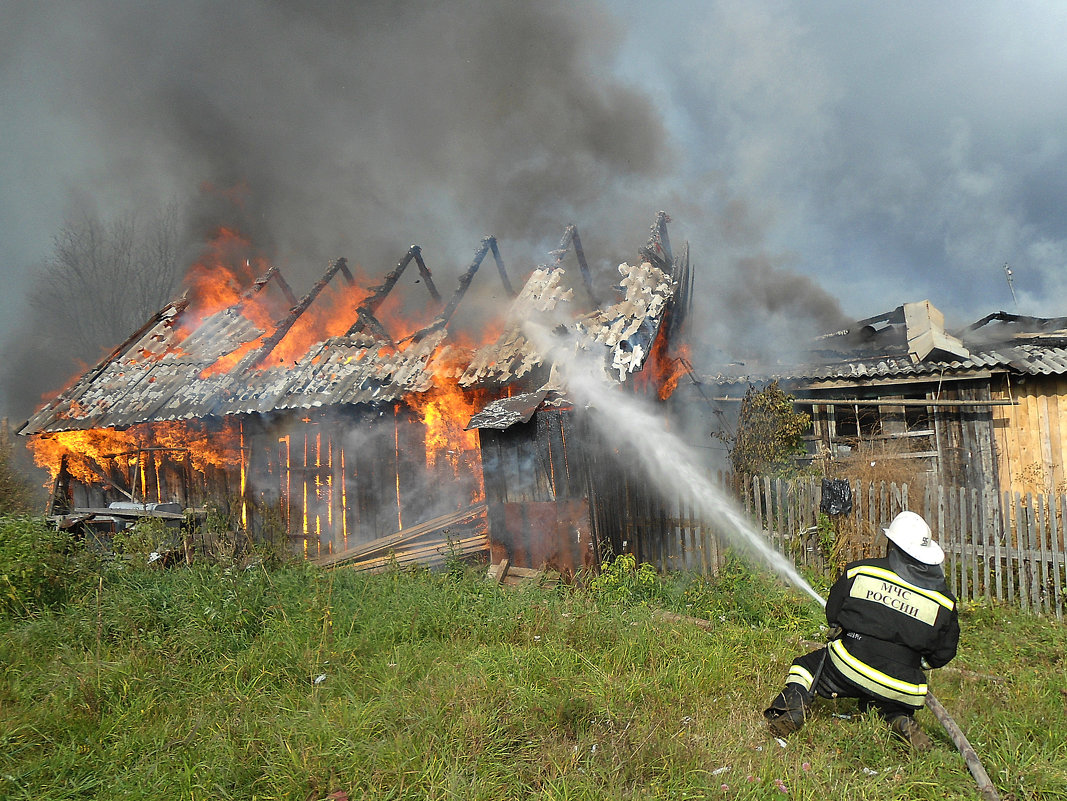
x: 464, y: 284
x: 258, y: 356
x: 404, y: 535
x: 273, y: 274
x: 571, y: 239
x: 500, y: 268
x: 365, y: 313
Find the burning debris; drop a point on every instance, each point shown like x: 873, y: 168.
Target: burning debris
x: 349, y: 425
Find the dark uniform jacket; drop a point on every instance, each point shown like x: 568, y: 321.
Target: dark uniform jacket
x: 895, y: 613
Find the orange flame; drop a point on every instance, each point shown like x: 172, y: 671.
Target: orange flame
x: 93, y: 454
x: 444, y: 411
x: 662, y: 369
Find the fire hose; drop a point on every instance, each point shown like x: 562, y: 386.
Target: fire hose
x: 955, y: 733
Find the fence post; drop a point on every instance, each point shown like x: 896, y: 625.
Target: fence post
x: 1046, y: 598
x: 1057, y: 553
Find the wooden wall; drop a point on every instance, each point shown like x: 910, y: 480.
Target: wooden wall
x: 1031, y: 437
x: 537, y: 490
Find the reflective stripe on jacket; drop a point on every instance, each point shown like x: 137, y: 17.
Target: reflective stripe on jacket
x: 894, y: 613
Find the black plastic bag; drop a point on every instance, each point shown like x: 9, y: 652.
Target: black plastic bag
x: 836, y: 496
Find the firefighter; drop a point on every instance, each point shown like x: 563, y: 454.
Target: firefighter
x: 890, y: 619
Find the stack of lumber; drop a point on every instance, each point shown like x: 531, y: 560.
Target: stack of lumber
x: 428, y: 543
x: 503, y: 572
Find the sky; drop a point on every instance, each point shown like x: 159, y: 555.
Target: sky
x: 825, y: 161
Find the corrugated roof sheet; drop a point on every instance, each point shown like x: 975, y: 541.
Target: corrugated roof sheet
x: 162, y: 373
x: 1028, y: 359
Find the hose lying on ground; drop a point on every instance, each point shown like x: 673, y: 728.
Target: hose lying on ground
x: 981, y: 778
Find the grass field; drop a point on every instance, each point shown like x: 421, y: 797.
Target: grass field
x: 214, y: 683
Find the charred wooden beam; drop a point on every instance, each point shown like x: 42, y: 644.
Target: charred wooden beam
x: 658, y: 249
x: 347, y: 273
x: 682, y: 304
x: 500, y: 268
x: 571, y: 238
x: 461, y: 290
x: 273, y: 274
x: 368, y: 322
x: 257, y: 357
x: 365, y: 313
x: 424, y: 271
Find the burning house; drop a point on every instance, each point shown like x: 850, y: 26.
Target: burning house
x: 364, y: 432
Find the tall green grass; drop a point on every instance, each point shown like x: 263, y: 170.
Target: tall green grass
x: 217, y: 682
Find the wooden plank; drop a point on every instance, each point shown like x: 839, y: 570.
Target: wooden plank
x: 779, y: 512
x: 987, y: 512
x: 941, y: 530
x: 1045, y: 432
x: 793, y: 532
x: 999, y: 521
x: 1042, y: 553
x: 1059, y: 504
x: 1022, y: 529
x: 1031, y: 544
x: 754, y: 503
x: 979, y: 562
x: 1036, y: 557
x: 872, y: 513
x: 434, y: 553
x: 1010, y: 516
x: 961, y: 529
x: 405, y: 535
x: 1053, y: 421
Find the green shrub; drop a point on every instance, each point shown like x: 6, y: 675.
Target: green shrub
x: 38, y: 566
x: 623, y: 583
x: 738, y: 592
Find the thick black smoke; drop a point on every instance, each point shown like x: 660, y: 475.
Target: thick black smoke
x: 344, y: 129
x: 351, y: 128
x: 331, y: 129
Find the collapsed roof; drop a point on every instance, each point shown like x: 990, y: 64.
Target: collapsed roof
x: 168, y: 370
x: 911, y: 342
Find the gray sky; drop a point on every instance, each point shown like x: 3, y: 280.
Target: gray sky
x: 871, y: 152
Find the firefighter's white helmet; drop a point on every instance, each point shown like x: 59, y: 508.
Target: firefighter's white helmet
x: 912, y: 534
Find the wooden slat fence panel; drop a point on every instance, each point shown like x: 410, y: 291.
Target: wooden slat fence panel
x: 1008, y: 550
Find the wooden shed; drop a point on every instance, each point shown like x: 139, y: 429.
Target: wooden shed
x: 980, y: 408
x: 345, y: 426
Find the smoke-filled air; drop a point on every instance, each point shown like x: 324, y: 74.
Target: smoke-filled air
x: 826, y: 162
x: 635, y: 430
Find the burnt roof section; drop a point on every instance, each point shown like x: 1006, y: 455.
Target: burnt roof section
x: 164, y: 371
x: 881, y: 348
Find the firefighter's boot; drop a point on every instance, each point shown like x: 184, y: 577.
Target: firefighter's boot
x: 907, y: 728
x: 787, y: 711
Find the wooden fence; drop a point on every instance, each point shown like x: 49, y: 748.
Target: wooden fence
x: 1008, y: 548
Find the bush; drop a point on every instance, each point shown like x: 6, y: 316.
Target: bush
x: 624, y: 584
x: 38, y: 566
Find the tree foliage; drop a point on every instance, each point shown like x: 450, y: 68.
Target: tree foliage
x: 105, y: 277
x: 769, y: 433
x: 16, y: 490
x: 109, y: 275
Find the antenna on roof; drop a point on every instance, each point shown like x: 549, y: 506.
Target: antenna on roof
x: 1011, y: 285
